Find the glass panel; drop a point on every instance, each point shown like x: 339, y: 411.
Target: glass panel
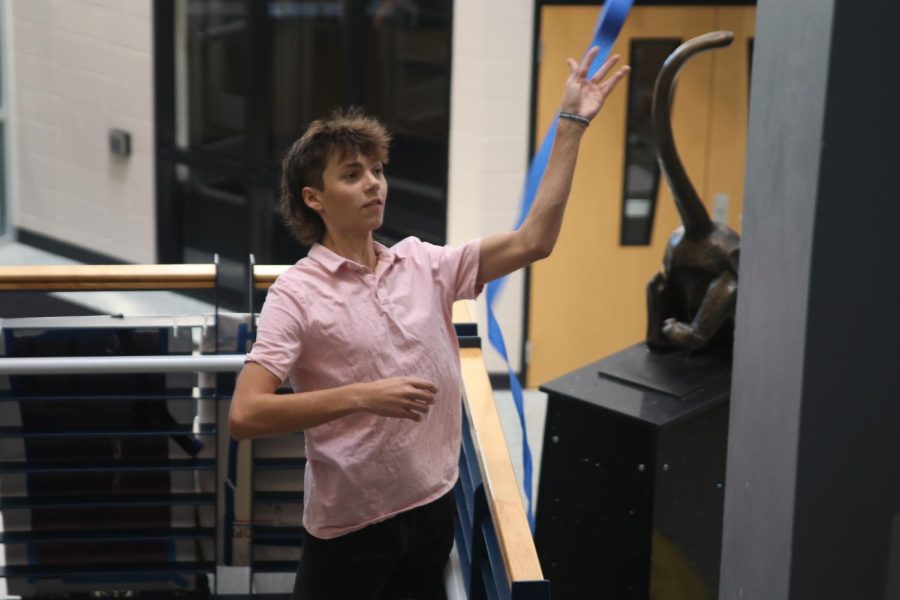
x: 407, y: 66
x: 400, y: 52
x: 3, y: 223
x: 250, y: 76
x: 750, y: 42
x: 407, y: 72
x: 2, y: 59
x: 641, y: 169
x: 216, y: 75
x: 215, y: 217
x: 308, y: 65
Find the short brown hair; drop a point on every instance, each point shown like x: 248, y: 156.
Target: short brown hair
x: 345, y: 133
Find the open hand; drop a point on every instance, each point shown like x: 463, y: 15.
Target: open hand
x: 399, y: 397
x: 585, y: 95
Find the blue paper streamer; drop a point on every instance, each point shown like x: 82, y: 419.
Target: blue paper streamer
x: 609, y: 24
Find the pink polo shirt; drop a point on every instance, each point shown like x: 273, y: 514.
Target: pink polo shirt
x: 328, y: 322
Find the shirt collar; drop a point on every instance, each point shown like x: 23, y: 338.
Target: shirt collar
x: 333, y: 261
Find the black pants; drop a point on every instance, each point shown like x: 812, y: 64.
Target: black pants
x: 401, y: 558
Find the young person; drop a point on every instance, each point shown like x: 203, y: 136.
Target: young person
x: 364, y: 334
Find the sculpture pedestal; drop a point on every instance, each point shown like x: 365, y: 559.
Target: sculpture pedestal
x: 632, y: 477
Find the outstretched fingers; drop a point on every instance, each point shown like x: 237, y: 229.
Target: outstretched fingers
x: 610, y: 83
x: 605, y: 68
x: 586, y: 61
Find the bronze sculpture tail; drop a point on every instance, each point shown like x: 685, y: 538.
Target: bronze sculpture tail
x: 693, y: 214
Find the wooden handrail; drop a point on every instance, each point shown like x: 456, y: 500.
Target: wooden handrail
x: 501, y: 487
x: 265, y: 275
x: 107, y: 277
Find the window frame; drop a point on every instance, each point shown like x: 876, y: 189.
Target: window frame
x: 6, y: 213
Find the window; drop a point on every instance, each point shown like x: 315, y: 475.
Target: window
x: 214, y: 61
x: 641, y: 180
x: 4, y: 219
x: 750, y: 42
x: 238, y: 80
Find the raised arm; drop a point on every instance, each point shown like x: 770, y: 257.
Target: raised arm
x: 505, y: 252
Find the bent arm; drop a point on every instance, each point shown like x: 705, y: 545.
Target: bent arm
x: 258, y: 411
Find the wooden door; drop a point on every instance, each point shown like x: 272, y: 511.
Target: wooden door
x: 588, y: 299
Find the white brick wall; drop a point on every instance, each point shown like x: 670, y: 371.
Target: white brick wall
x: 80, y: 68
x: 489, y: 122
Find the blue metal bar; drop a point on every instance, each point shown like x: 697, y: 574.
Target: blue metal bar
x: 206, y: 429
x: 267, y: 464
x: 279, y: 497
x: 173, y: 533
x: 150, y: 465
x: 490, y: 582
x: 47, y: 571
x: 83, y: 365
x: 464, y: 516
x: 495, y: 559
x: 273, y: 532
x: 15, y: 503
x: 278, y: 536
x: 8, y: 397
x: 463, y: 548
x: 274, y: 566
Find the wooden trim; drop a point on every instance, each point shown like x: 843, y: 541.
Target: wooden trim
x: 265, y: 275
x: 501, y: 486
x: 107, y: 277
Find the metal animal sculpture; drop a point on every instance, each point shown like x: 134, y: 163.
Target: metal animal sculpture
x: 691, y: 301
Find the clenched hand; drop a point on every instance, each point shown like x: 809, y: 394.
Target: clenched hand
x: 398, y: 397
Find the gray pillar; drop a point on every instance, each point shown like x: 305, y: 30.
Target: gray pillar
x: 813, y: 481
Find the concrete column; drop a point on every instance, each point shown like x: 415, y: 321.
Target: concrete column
x: 813, y: 481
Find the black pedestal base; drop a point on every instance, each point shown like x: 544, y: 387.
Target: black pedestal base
x: 632, y: 477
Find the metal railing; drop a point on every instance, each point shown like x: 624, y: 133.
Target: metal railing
x: 84, y: 365
x: 497, y: 553
x: 122, y: 480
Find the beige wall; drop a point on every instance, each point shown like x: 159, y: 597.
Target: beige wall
x: 79, y: 68
x: 489, y: 119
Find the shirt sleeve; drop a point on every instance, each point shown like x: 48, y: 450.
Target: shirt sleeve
x: 456, y: 269
x: 279, y: 331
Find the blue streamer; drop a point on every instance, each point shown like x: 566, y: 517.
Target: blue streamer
x: 609, y: 24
